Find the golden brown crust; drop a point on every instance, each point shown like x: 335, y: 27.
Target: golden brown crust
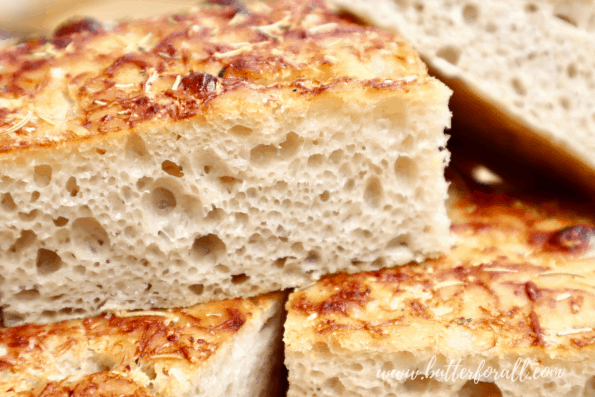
x: 520, y: 277
x: 88, y: 82
x: 103, y: 384
x: 123, y: 342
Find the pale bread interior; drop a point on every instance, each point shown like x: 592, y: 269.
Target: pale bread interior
x: 194, y: 212
x: 322, y: 373
x: 527, y: 67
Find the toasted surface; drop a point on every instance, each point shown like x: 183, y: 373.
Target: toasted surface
x: 178, y: 352
x: 212, y: 155
x: 517, y: 284
x: 522, y: 73
x: 86, y: 82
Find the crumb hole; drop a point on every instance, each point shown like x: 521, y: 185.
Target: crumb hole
x: 313, y: 257
x: 222, y: 269
x: 172, y: 169
x: 72, y: 187
x: 35, y: 196
x: 519, y: 87
x: 472, y: 389
x: 280, y: 262
x: 568, y: 19
x: 143, y: 182
x: 239, y: 278
x: 357, y: 367
x: 408, y: 143
x: 470, y: 13
x: 387, y: 366
x: 315, y: 160
x: 90, y: 234
x: 373, y: 193
x: 100, y: 151
x: 208, y: 246
x: 28, y: 216
x: 399, y: 241
x: 47, y: 261
x: 241, y: 130
x: 42, y: 175
x: 7, y: 202
x: 324, y: 196
x: 405, y: 170
x: 449, y: 53
x: 290, y: 147
x: 228, y: 183
x: 335, y: 386
x: 531, y: 8
x: 565, y: 102
x: 349, y: 185
x: 60, y: 221
x: 572, y: 71
x: 336, y: 156
x: 163, y: 200
x: 26, y: 238
x: 136, y: 146
x: 263, y: 154
x: 27, y: 295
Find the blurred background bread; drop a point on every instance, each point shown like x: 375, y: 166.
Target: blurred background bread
x: 523, y: 74
x: 39, y: 17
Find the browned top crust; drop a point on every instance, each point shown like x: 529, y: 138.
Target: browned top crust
x: 117, y: 351
x: 520, y: 278
x: 89, y: 82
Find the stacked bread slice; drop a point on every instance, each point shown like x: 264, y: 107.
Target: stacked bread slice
x: 510, y: 311
x: 226, y: 348
x: 522, y: 72
x: 211, y: 155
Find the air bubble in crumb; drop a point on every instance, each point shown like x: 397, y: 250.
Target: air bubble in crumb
x: 27, y: 295
x: 239, y: 278
x: 136, y: 146
x: 26, y: 239
x: 7, y: 203
x: 163, y: 200
x: 209, y: 246
x: 373, y: 193
x: 172, y: 169
x: 196, y: 289
x: 90, y: 235
x: 42, y: 175
x: 241, y: 130
x: 519, y: 87
x: 472, y: 388
x: 47, y: 261
x: 72, y: 187
x: 470, y: 13
x: 449, y: 53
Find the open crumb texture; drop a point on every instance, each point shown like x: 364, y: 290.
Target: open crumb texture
x: 210, y: 155
x: 518, y: 284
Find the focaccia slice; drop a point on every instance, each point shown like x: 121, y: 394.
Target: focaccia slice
x: 522, y: 72
x: 511, y: 309
x: 226, y: 348
x: 210, y: 155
